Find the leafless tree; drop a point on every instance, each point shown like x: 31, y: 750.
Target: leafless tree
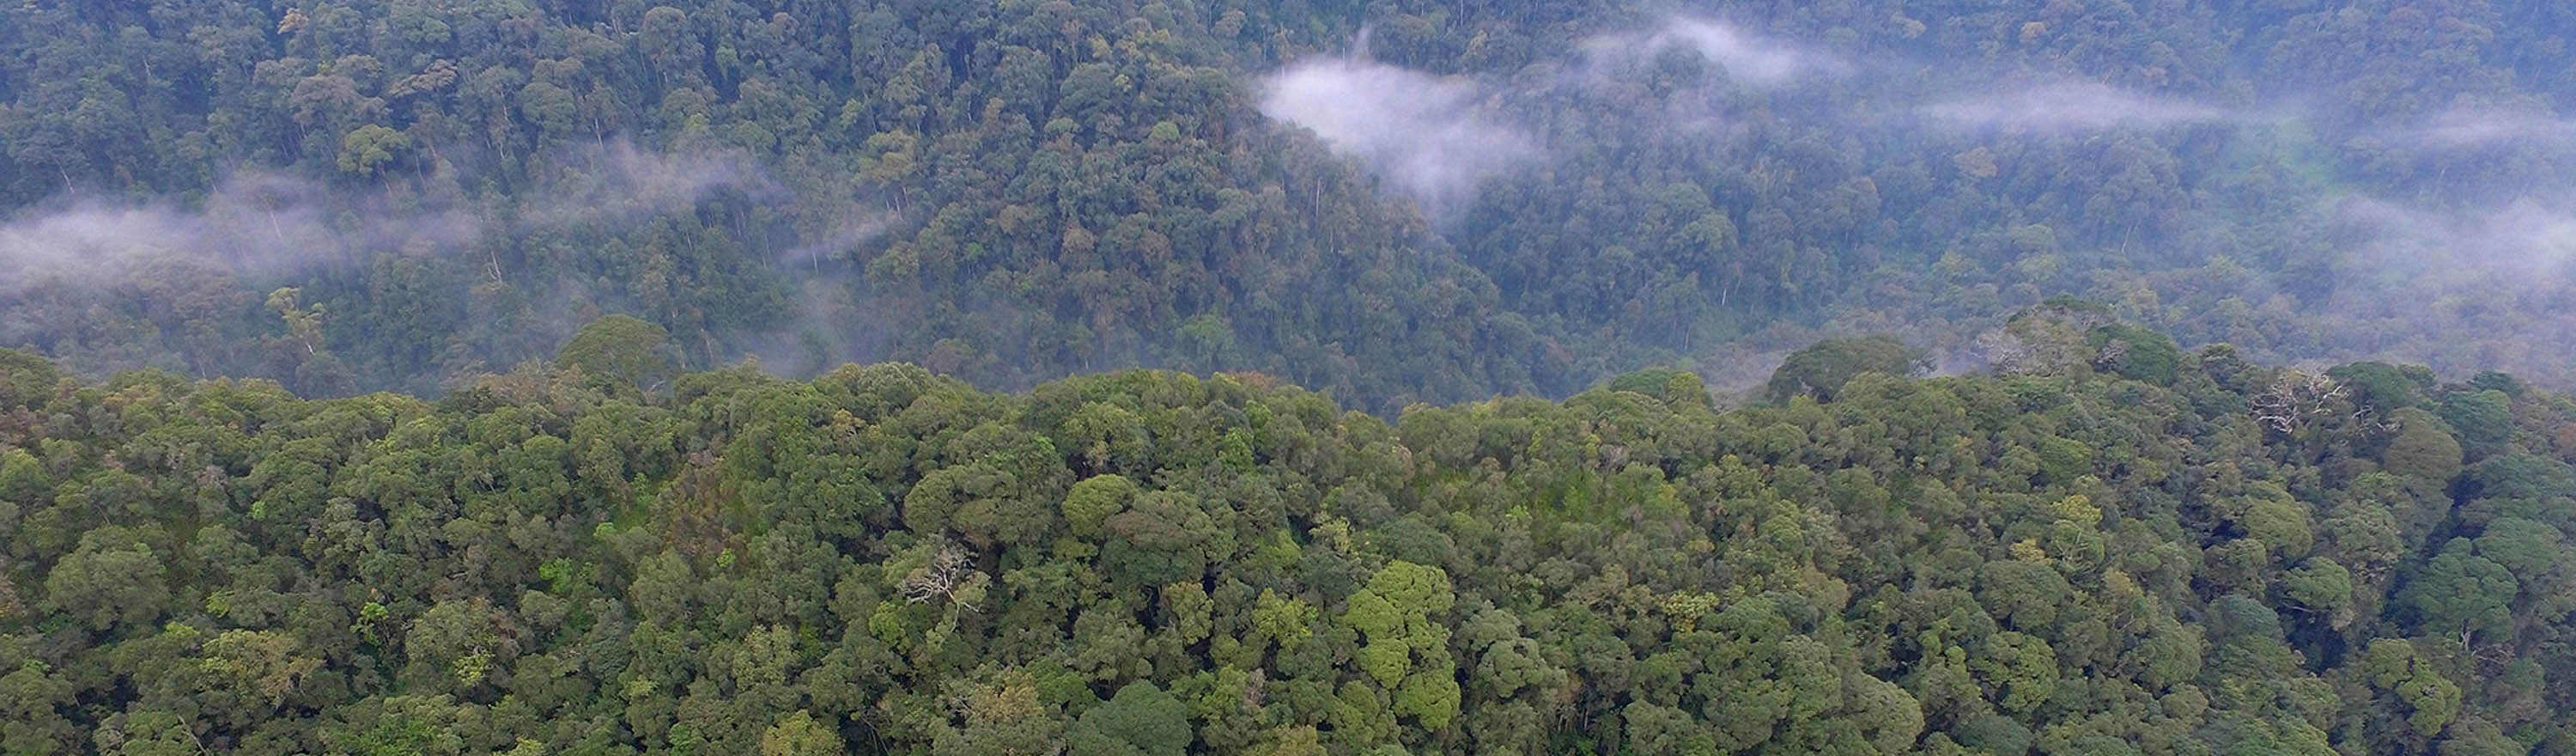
x: 2295, y: 400
x: 948, y: 570
x: 9, y: 601
x: 2112, y: 352
x: 2008, y: 353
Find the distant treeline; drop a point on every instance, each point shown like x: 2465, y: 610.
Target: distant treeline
x: 1015, y: 190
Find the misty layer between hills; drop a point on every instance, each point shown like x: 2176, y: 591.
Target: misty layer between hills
x: 267, y: 223
x: 1448, y: 143
x: 213, y: 258
x: 1436, y: 138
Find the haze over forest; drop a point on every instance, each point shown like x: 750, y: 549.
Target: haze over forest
x: 1392, y: 204
x: 1218, y: 376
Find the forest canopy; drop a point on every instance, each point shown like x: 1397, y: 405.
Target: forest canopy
x: 1390, y: 201
x: 1093, y: 377
x: 2219, y: 557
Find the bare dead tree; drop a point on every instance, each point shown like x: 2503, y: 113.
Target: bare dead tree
x: 2112, y: 352
x: 10, y: 604
x: 948, y: 571
x: 2295, y: 401
x: 2492, y: 656
x: 2008, y: 353
x: 1252, y: 689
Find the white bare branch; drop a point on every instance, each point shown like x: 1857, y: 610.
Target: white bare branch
x: 2295, y: 401
x: 942, y: 577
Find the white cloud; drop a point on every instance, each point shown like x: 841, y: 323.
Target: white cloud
x: 2526, y: 240
x: 1747, y: 57
x: 256, y: 222
x: 2069, y: 106
x: 2471, y: 127
x: 1424, y: 133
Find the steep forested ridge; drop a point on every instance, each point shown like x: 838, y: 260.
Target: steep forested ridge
x: 1016, y: 190
x: 1007, y: 192
x: 2114, y: 547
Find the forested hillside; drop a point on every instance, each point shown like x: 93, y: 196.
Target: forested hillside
x: 1515, y: 197
x: 2114, y: 547
x: 397, y: 377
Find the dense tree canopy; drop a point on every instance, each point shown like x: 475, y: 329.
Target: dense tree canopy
x: 880, y: 560
x: 402, y: 377
x: 1016, y: 190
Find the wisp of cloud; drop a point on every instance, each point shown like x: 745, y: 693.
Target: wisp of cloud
x: 2472, y: 127
x: 268, y: 223
x: 252, y: 222
x: 2069, y: 106
x: 617, y: 181
x: 1421, y: 132
x: 2523, y: 241
x: 1747, y: 57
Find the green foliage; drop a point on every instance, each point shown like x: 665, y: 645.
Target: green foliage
x: 1677, y: 387
x: 109, y: 580
x: 1994, y: 734
x: 26, y: 379
x: 1088, y: 506
x: 1430, y: 696
x: 881, y: 560
x: 797, y: 734
x: 2423, y: 447
x: 620, y: 348
x: 2136, y: 353
x: 2482, y: 418
x: 1141, y: 720
x: 2279, y: 524
x: 370, y: 148
x: 23, y: 482
x: 2461, y: 592
x: 2529, y: 550
x: 1413, y: 590
x: 1016, y: 191
x: 2522, y: 475
x: 2430, y: 700
x: 2319, y: 584
x: 2385, y: 388
x: 1819, y: 371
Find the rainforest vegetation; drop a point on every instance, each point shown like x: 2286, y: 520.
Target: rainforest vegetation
x: 1093, y: 377
x: 2114, y: 547
x: 1011, y: 191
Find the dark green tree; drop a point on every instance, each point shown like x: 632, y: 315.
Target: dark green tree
x: 1819, y: 371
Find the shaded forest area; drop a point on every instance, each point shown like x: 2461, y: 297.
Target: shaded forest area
x: 2112, y: 547
x: 1012, y: 191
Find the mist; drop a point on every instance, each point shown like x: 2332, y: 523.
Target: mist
x: 89, y: 267
x: 1748, y: 58
x: 2526, y: 241
x: 618, y: 181
x: 2465, y: 127
x: 857, y: 226
x: 2068, y: 105
x: 1570, y: 162
x: 1421, y: 132
x: 269, y: 224
x: 256, y: 223
x: 1436, y: 138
